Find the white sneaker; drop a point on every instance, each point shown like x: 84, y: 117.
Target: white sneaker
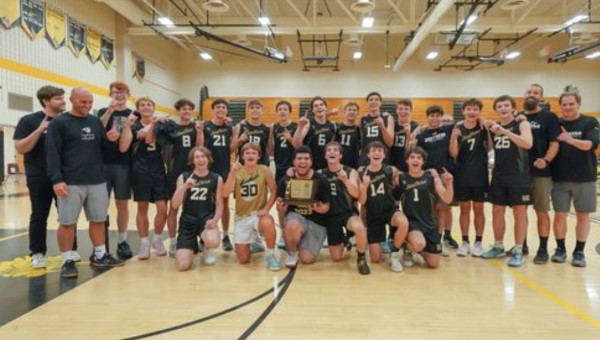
x: 395, y: 264
x: 172, y: 249
x: 445, y: 252
x: 477, y: 250
x: 407, y: 259
x: 159, y: 247
x: 210, y: 257
x: 292, y: 260
x: 75, y: 256
x: 144, y: 253
x: 38, y: 260
x: 464, y: 249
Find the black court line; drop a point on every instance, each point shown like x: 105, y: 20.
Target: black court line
x: 283, y: 282
x: 270, y: 308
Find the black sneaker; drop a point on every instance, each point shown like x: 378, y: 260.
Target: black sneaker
x: 69, y: 270
x: 541, y: 257
x: 578, y: 259
x: 363, y: 267
x: 525, y: 251
x: 560, y: 256
x: 124, y: 251
x: 227, y: 246
x: 106, y: 261
x: 450, y: 242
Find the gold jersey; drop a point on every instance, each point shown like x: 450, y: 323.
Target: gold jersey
x: 251, y: 190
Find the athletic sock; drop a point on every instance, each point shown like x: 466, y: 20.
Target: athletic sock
x: 99, y: 251
x: 361, y: 256
x: 499, y: 244
x: 158, y: 237
x: 122, y: 237
x: 478, y: 239
x: 144, y: 240
x: 525, y: 243
x: 465, y: 238
x: 66, y: 256
x: 544, y: 243
x: 173, y: 240
x: 269, y: 252
x: 447, y: 233
x: 560, y: 244
x: 579, y: 246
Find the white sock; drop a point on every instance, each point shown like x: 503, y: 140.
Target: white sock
x: 270, y: 252
x: 99, y: 251
x: 144, y: 239
x: 499, y: 244
x: 122, y: 237
x: 66, y: 256
x: 173, y: 240
x: 158, y: 237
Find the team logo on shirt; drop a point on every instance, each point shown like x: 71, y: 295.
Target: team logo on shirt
x: 535, y: 125
x: 436, y: 137
x: 86, y: 134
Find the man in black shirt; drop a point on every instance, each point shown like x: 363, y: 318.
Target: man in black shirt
x: 117, y: 164
x: 574, y: 175
x: 74, y: 148
x: 376, y: 126
x: 348, y: 135
x: 30, y: 140
x: 315, y: 132
x: 404, y: 126
x: 252, y: 130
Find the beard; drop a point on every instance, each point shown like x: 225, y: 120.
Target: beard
x: 530, y: 104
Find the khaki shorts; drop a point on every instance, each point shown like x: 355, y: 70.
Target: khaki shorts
x: 313, y: 235
x: 92, y: 198
x: 245, y: 229
x: 541, y: 189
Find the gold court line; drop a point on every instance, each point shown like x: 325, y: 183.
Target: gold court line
x: 13, y: 236
x: 546, y: 293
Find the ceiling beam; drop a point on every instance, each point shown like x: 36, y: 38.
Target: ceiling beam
x: 350, y: 15
x: 248, y: 11
x: 298, y: 12
x: 197, y: 10
x: 397, y: 10
x: 423, y: 31
x: 526, y: 12
x: 174, y: 39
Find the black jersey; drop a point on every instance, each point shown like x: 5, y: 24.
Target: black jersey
x: 217, y: 138
x: 322, y: 195
x: 418, y: 199
x: 349, y: 138
x: 380, y: 196
x: 317, y: 137
x: 511, y: 163
x: 182, y: 138
x: 437, y: 144
x: 111, y: 153
x: 283, y: 150
x: 145, y: 158
x: 398, y: 149
x: 342, y: 204
x: 370, y: 130
x: 35, y: 159
x: 199, y: 201
x: 545, y: 128
x: 472, y: 160
x: 256, y: 134
x: 572, y: 164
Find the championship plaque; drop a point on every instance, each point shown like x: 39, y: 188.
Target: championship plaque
x: 301, y: 192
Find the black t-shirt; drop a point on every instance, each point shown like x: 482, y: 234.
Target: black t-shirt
x: 398, y: 149
x: 217, y: 138
x: 35, y: 160
x: 545, y: 127
x: 349, y: 138
x: 437, y: 144
x: 74, y: 148
x: 112, y: 155
x: 370, y: 130
x: 317, y: 137
x: 418, y: 199
x: 572, y: 164
x: 472, y: 160
x: 182, y: 138
x: 256, y: 134
x: 322, y: 195
x: 342, y: 204
x: 380, y: 195
x: 146, y: 158
x: 511, y: 163
x: 283, y: 149
x: 199, y: 201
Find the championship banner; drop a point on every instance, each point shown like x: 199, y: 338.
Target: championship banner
x: 75, y: 37
x: 10, y: 12
x: 92, y: 43
x: 32, y: 18
x: 139, y: 67
x: 108, y: 52
x: 55, y: 26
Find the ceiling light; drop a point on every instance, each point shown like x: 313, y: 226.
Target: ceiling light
x: 470, y: 20
x: 576, y: 19
x: 205, y: 56
x: 513, y: 55
x: 216, y: 6
x: 166, y: 22
x: 264, y: 21
x: 363, y: 6
x: 593, y: 55
x: 431, y: 55
x: 357, y: 55
x: 368, y: 22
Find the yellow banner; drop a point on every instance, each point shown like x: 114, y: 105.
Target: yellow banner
x: 93, y: 44
x: 10, y: 11
x: 32, y: 18
x: 56, y: 21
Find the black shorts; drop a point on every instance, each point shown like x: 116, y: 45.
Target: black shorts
x: 465, y: 194
x: 279, y: 173
x: 509, y: 196
x: 118, y: 179
x: 376, y: 232
x: 336, y: 229
x: 188, y: 233
x: 148, y: 188
x: 172, y: 177
x: 433, y: 239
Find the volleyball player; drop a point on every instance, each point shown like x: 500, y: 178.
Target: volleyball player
x: 315, y: 132
x: 404, y: 126
x: 348, y: 135
x: 252, y: 130
x: 376, y: 126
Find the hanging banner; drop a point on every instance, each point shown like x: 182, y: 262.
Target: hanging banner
x: 139, y: 65
x: 92, y: 43
x: 55, y: 26
x: 75, y: 37
x: 32, y: 17
x: 10, y: 12
x: 108, y: 52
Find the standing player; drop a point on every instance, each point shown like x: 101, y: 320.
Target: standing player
x: 510, y: 178
x: 348, y: 135
x: 252, y: 184
x: 315, y: 133
x: 574, y: 175
x: 252, y: 130
x: 418, y: 190
x: 404, y: 126
x: 376, y: 126
x: 148, y: 176
x: 376, y: 195
x: 200, y: 193
x: 469, y: 144
x: 216, y: 136
x: 344, y: 190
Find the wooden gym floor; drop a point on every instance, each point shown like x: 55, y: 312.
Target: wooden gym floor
x: 465, y: 298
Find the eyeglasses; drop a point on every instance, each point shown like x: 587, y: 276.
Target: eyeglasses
x: 119, y: 93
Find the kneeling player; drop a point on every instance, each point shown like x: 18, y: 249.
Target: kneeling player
x: 200, y: 193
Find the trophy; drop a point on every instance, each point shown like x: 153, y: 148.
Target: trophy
x: 301, y: 192
x: 119, y: 122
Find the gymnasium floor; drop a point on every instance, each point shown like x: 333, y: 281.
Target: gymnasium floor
x: 465, y: 298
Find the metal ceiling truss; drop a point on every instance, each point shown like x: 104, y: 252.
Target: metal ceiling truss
x: 320, y: 58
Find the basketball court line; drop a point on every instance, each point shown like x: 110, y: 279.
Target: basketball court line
x: 13, y: 236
